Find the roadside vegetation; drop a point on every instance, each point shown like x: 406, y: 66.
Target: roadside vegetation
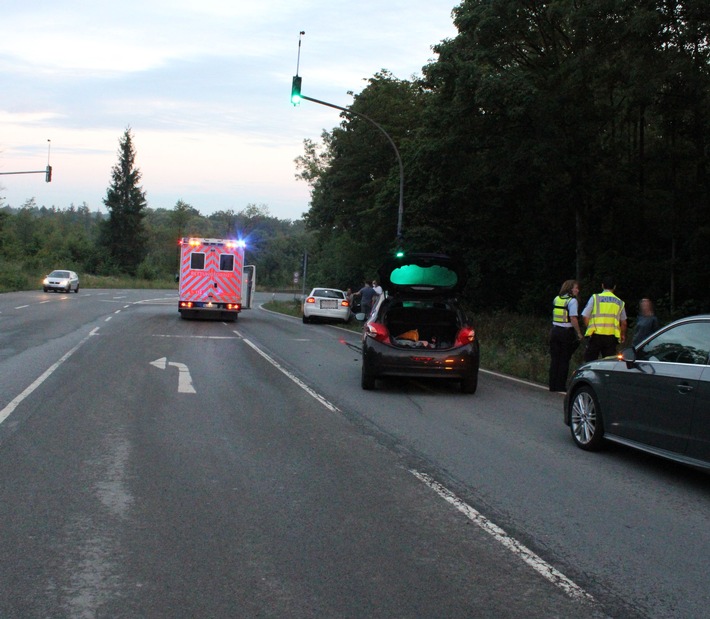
x: 510, y: 343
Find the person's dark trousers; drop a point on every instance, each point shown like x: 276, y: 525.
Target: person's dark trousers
x: 604, y: 345
x: 563, y: 343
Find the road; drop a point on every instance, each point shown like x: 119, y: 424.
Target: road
x: 156, y: 467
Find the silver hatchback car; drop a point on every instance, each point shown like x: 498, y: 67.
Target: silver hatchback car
x: 61, y: 281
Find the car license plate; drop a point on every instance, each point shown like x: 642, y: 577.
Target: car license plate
x: 329, y: 304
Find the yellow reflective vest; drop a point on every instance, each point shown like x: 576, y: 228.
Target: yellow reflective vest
x: 560, y: 311
x: 606, y: 313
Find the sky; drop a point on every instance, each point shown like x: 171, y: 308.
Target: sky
x: 204, y: 86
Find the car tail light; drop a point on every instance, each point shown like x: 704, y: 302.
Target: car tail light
x: 345, y: 303
x: 377, y: 331
x: 466, y: 335
x: 310, y: 300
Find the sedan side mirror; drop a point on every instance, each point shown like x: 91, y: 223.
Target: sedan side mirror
x: 629, y: 356
x: 361, y: 316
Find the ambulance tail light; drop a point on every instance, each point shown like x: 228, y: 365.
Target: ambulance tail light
x: 234, y: 306
x: 186, y: 304
x: 377, y: 331
x: 466, y: 335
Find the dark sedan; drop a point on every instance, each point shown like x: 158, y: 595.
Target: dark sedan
x: 654, y: 397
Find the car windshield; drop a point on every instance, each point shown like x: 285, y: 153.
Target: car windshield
x: 328, y: 294
x: 63, y: 274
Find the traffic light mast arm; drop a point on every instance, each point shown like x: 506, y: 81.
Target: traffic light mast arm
x: 400, y: 210
x: 47, y: 173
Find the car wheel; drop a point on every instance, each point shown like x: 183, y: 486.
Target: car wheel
x: 367, y: 378
x: 77, y: 289
x: 469, y: 384
x: 586, y: 421
x: 306, y: 319
x: 44, y: 289
x: 68, y: 290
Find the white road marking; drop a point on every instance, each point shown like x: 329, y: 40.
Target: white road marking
x: 528, y: 556
x: 184, y: 378
x: 7, y: 411
x: 108, y: 318
x: 314, y: 394
x: 22, y: 307
x: 543, y: 568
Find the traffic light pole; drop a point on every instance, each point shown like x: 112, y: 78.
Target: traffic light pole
x: 400, y: 209
x: 47, y: 173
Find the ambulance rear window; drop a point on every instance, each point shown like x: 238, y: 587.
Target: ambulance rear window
x: 226, y: 262
x: 197, y: 261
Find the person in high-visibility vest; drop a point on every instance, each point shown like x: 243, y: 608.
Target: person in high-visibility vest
x: 565, y: 334
x: 605, y: 320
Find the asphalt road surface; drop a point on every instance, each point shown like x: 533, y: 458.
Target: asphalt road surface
x: 158, y: 467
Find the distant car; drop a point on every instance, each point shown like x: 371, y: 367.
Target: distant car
x: 654, y: 396
x: 61, y: 281
x: 326, y: 303
x: 417, y: 328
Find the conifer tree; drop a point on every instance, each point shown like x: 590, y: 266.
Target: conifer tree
x: 123, y: 234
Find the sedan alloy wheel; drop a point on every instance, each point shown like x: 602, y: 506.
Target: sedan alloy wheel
x: 585, y: 419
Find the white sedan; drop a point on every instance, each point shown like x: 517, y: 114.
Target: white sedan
x: 326, y: 303
x: 61, y: 281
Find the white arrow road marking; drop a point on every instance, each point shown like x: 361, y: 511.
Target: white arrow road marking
x: 184, y: 378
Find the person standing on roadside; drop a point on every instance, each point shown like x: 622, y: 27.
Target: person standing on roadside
x: 605, y: 320
x: 646, y: 323
x: 565, y: 335
x: 366, y: 294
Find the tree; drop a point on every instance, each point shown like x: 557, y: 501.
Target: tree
x: 123, y: 234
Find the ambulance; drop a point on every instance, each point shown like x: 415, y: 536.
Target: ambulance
x: 214, y: 282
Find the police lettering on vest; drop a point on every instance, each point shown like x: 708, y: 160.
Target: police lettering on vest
x: 606, y: 315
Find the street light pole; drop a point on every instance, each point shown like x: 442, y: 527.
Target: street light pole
x: 400, y: 210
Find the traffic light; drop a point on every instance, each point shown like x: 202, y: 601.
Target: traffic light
x: 399, y: 253
x: 296, y: 90
x: 48, y: 174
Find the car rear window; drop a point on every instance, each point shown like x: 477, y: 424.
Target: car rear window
x: 328, y: 294
x: 415, y: 275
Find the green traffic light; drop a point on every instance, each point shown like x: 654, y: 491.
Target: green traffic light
x: 399, y: 254
x: 296, y: 90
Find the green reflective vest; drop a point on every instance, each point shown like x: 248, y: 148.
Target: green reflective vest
x: 606, y: 312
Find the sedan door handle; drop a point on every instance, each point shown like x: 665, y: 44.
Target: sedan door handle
x: 684, y: 388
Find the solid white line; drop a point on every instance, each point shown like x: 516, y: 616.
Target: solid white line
x: 543, y: 568
x: 314, y: 394
x: 513, y: 379
x: 7, y: 411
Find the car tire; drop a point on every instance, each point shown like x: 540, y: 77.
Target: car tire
x: 586, y: 421
x: 306, y: 319
x: 77, y: 289
x: 367, y: 378
x: 45, y: 289
x: 469, y: 384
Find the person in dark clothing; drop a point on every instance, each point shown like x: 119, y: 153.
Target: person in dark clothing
x: 646, y: 323
x: 565, y: 334
x: 366, y: 294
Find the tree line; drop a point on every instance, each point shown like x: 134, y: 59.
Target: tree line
x: 134, y: 240
x: 548, y: 140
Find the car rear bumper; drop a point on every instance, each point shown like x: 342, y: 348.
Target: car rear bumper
x: 384, y: 360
